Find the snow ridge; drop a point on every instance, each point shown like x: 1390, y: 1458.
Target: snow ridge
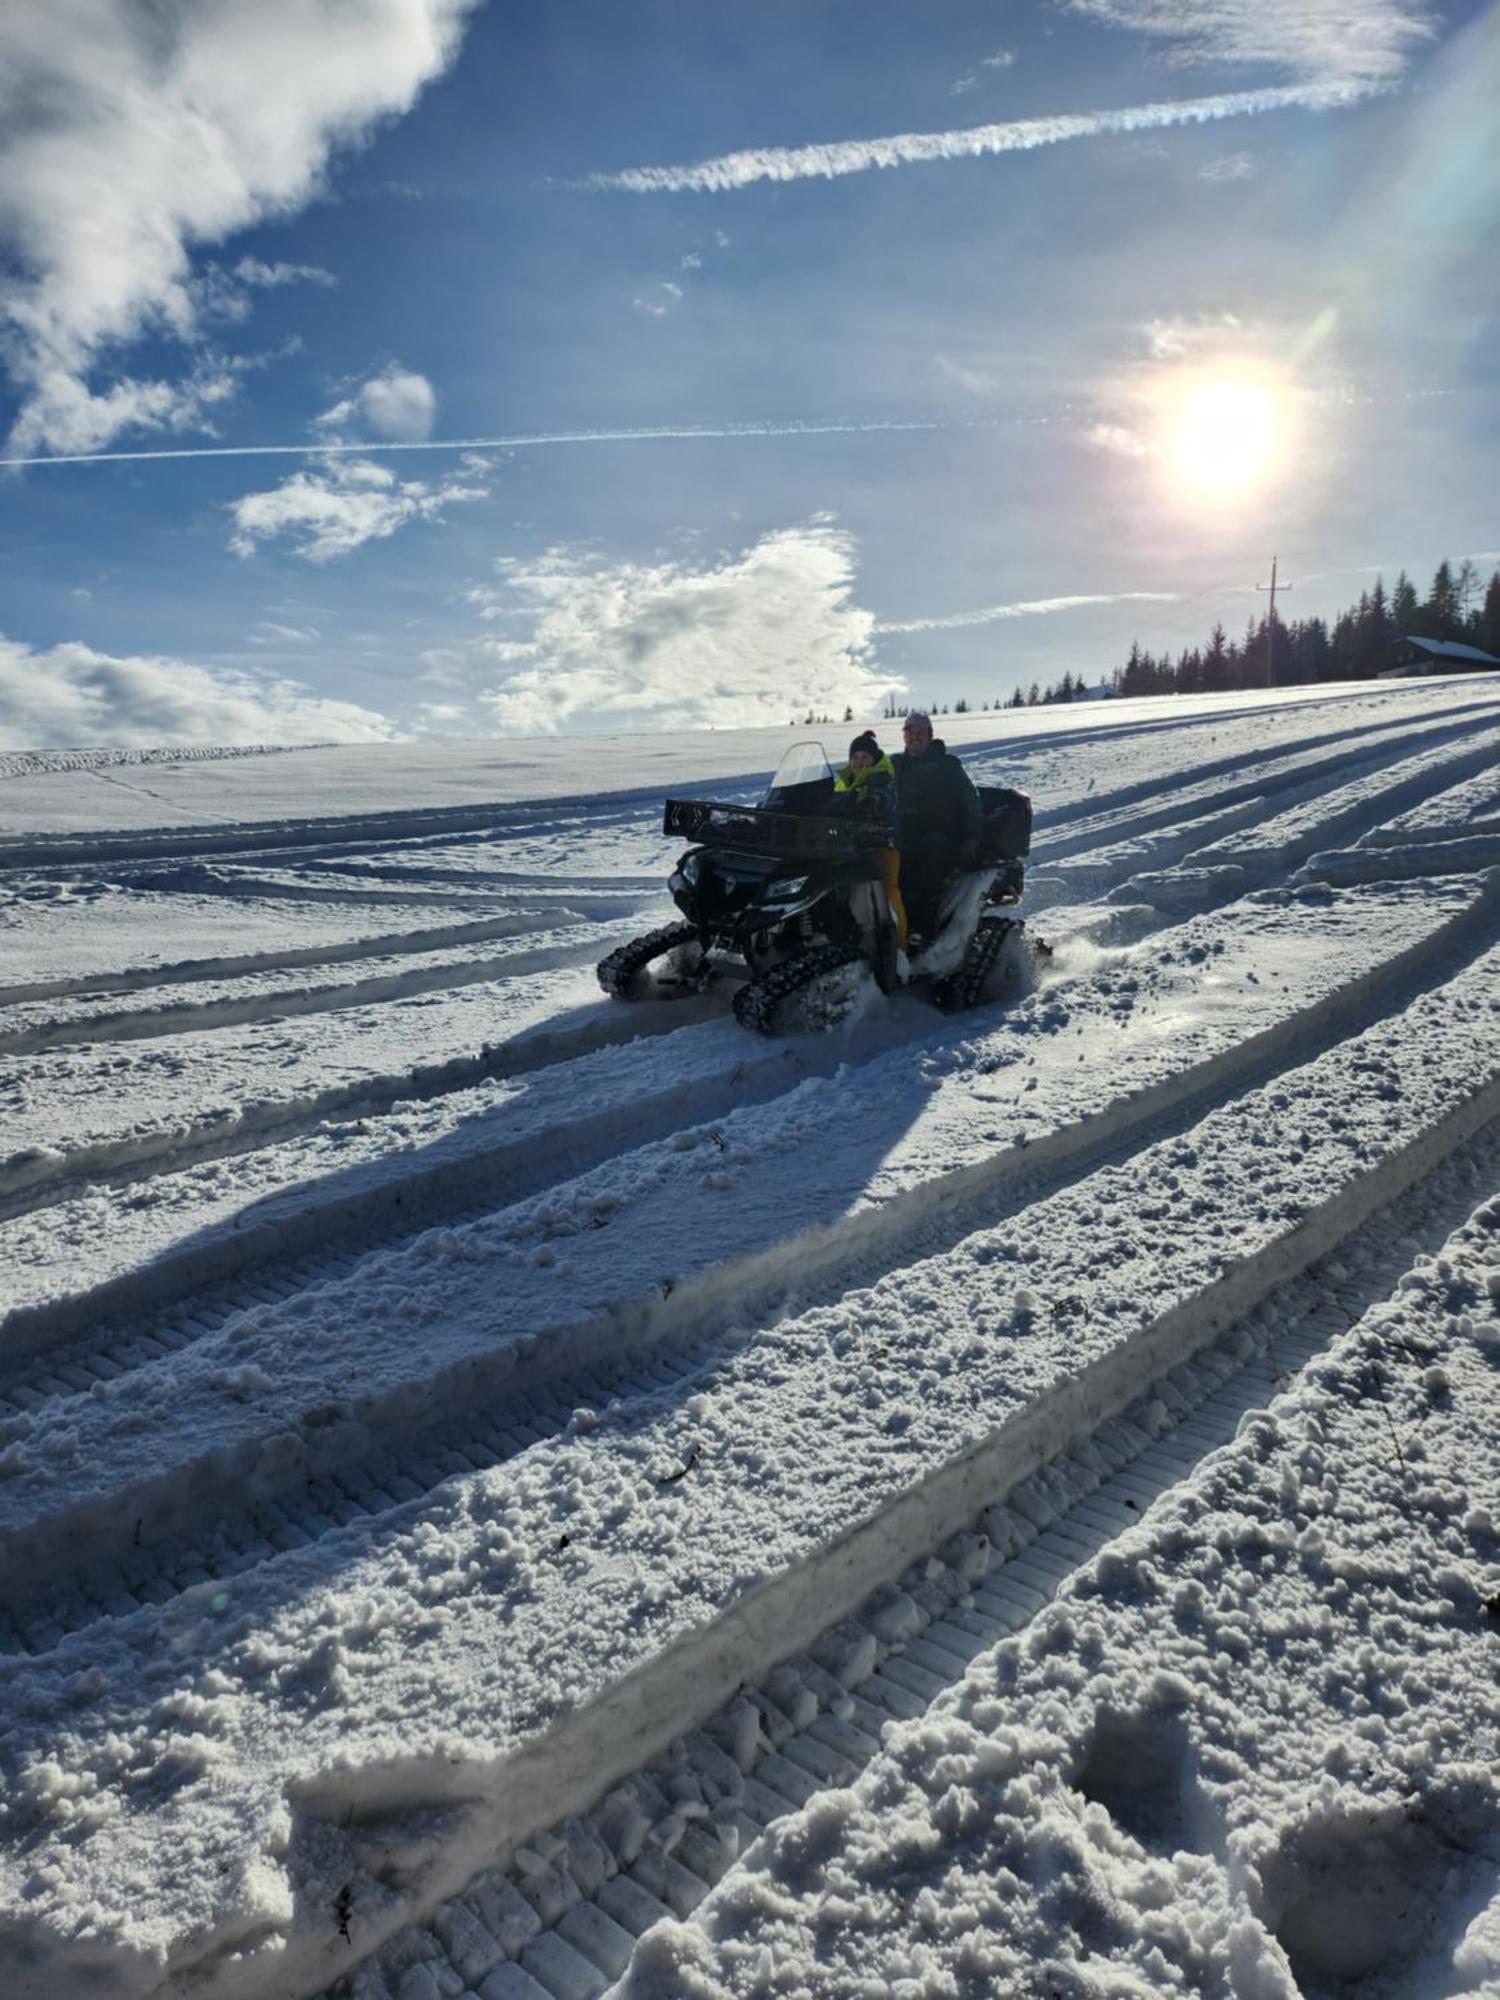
x: 435, y: 1401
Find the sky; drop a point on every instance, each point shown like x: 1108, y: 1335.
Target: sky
x: 435, y: 368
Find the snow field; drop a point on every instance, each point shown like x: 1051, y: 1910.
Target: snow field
x: 92, y: 935
x: 657, y: 1239
x: 317, y: 1550
x: 69, y: 1115
x: 671, y: 1832
x: 880, y: 1424
x: 393, y: 792
x: 278, y: 993
x: 1257, y: 1805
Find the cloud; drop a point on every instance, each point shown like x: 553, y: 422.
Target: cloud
x: 270, y: 633
x: 1001, y: 59
x: 144, y: 131
x: 1118, y: 438
x: 1236, y: 167
x: 753, y: 638
x: 1360, y: 41
x: 1034, y: 607
x: 1019, y: 135
x: 338, y: 505
x: 71, y: 697
x: 1182, y: 334
x: 397, y: 403
x: 1337, y: 51
x: 251, y: 271
x: 64, y: 412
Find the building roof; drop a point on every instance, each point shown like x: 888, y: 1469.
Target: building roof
x: 1452, y: 649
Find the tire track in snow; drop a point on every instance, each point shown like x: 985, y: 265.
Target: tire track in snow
x: 158, y: 1151
x: 1198, y: 864
x: 816, y: 1268
x: 1291, y: 770
x: 135, y: 979
x: 414, y: 1207
x: 39, y: 1179
x: 671, y: 1831
x: 309, y: 1241
x: 147, y: 1024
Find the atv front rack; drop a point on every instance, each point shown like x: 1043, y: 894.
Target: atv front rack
x: 786, y: 836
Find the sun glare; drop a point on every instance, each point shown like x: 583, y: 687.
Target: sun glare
x: 1225, y: 435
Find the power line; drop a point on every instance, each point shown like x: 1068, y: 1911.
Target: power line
x: 1271, y: 621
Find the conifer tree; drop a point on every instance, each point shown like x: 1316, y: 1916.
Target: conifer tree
x: 1442, y: 606
x: 1489, y: 618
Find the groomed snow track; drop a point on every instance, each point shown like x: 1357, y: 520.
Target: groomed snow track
x: 407, y: 1286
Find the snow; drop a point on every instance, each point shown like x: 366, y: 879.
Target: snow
x: 1251, y: 1750
x: 467, y: 1448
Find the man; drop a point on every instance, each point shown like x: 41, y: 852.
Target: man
x: 941, y: 819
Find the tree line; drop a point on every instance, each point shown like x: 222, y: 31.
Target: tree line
x: 1353, y: 647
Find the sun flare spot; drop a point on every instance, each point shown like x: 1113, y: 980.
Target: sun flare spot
x: 1226, y: 435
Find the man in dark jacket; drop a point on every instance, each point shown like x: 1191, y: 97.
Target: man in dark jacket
x: 941, y: 819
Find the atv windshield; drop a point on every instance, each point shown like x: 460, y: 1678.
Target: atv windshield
x: 803, y: 780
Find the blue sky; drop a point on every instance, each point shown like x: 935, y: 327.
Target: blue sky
x: 341, y: 226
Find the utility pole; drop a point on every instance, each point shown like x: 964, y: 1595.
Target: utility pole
x: 1272, y: 586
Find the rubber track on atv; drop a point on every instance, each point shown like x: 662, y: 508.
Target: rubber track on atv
x: 756, y: 1005
x: 617, y: 973
x: 965, y: 987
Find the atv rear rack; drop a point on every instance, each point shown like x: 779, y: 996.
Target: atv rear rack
x: 784, y: 835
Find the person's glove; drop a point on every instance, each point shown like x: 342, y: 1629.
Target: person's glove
x: 968, y: 853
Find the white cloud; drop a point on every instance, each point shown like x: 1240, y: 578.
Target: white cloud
x: 339, y: 504
x: 1234, y: 167
x: 1337, y: 51
x: 962, y: 85
x: 1001, y: 59
x: 397, y: 403
x: 1019, y: 135
x: 71, y: 697
x: 753, y: 638
x: 136, y: 133
x: 68, y: 416
x: 978, y: 381
x: 1173, y: 338
x: 269, y: 632
x: 1118, y: 438
x: 1031, y: 607
x: 251, y: 271
x: 1360, y: 41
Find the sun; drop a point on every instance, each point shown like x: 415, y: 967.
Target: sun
x: 1226, y: 435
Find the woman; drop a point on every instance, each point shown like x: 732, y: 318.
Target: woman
x: 871, y: 777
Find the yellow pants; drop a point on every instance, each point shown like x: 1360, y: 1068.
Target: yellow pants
x: 889, y: 863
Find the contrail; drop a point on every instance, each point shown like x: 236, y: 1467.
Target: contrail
x: 1028, y: 608
x: 518, y: 441
x: 1020, y: 135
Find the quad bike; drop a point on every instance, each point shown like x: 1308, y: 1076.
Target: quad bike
x: 790, y: 889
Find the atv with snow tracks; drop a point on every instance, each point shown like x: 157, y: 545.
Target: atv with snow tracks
x: 789, y: 889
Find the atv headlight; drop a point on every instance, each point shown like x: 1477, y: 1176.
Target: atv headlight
x: 787, y: 891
